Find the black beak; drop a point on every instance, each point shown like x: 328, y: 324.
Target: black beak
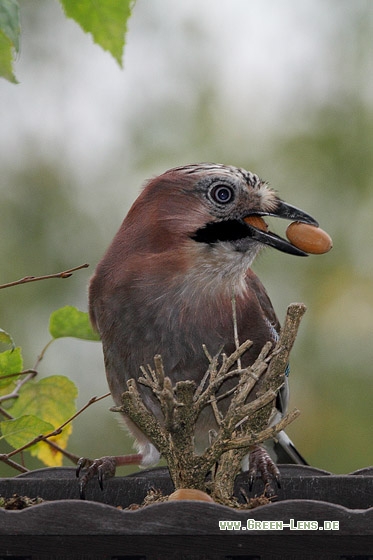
x: 287, y: 212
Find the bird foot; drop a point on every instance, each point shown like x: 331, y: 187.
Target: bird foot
x: 102, y: 468
x: 261, y: 464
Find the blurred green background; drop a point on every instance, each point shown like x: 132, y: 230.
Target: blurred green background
x: 284, y: 89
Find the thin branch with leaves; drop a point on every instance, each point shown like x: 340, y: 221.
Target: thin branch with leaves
x: 6, y: 457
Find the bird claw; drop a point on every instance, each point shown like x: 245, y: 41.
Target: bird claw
x: 102, y: 468
x: 262, y: 464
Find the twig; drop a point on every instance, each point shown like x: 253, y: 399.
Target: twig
x: 5, y: 459
x: 29, y: 374
x: 24, y: 372
x: 133, y: 406
x: 5, y: 413
x: 26, y: 279
x: 71, y: 456
x: 263, y: 435
x: 42, y: 353
x: 217, y: 378
x: 277, y: 362
x: 288, y: 334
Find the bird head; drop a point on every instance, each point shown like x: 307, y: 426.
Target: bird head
x: 189, y: 226
x: 209, y: 204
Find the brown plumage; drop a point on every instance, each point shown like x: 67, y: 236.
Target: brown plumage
x: 165, y: 284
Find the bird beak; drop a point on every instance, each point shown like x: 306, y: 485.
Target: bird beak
x: 287, y: 212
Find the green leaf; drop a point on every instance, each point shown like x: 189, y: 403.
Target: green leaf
x: 69, y: 321
x: 6, y: 338
x: 9, y: 37
x: 9, y: 21
x: 21, y: 430
x: 52, y: 400
x: 6, y: 59
x: 10, y: 362
x: 106, y: 20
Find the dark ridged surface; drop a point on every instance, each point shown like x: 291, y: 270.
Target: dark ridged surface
x: 66, y: 527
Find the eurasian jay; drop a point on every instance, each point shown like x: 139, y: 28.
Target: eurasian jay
x: 165, y: 287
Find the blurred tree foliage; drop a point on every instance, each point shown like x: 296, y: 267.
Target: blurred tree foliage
x: 59, y: 209
x: 333, y: 158
x: 39, y: 227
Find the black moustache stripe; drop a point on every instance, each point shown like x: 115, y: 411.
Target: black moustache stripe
x: 228, y: 230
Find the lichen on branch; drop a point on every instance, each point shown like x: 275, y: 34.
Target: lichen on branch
x: 245, y: 424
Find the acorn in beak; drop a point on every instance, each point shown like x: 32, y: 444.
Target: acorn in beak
x: 304, y: 233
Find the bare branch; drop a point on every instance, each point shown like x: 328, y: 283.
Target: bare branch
x: 268, y: 433
x: 29, y: 374
x: 5, y: 459
x: 26, y: 279
x: 246, y: 422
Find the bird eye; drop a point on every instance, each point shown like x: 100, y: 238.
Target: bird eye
x: 221, y: 194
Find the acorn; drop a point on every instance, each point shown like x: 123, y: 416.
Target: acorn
x: 257, y: 222
x: 310, y: 239
x: 189, y: 494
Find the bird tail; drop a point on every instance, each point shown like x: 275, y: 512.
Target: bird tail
x: 283, y: 450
